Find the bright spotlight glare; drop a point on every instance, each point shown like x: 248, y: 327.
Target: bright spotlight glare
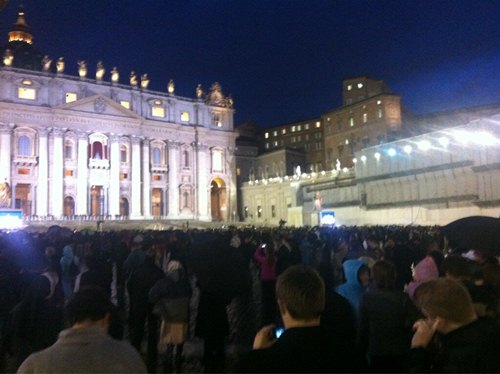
x: 363, y: 158
x: 377, y: 155
x: 391, y: 152
x: 407, y: 148
x: 424, y: 145
x: 483, y: 138
x: 444, y: 141
x: 354, y: 160
x: 462, y: 136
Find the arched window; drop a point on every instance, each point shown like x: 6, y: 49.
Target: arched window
x: 123, y: 153
x: 68, y: 150
x: 97, y: 150
x: 185, y: 159
x: 156, y: 155
x: 24, y: 146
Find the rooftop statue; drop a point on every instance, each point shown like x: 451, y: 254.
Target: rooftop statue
x: 46, y: 62
x: 115, y: 75
x: 171, y: 86
x: 133, y: 79
x: 99, y: 74
x: 60, y: 65
x: 199, y: 91
x: 82, y: 69
x: 144, y: 81
x: 8, y: 57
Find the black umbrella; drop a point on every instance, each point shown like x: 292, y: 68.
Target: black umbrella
x: 475, y: 232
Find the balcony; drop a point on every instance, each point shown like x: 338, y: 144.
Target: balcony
x: 159, y: 168
x: 95, y: 163
x: 25, y: 160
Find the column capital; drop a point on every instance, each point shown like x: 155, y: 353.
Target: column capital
x: 5, y: 129
x: 42, y: 131
x: 202, y: 147
x: 135, y: 140
x: 172, y: 144
x: 57, y: 132
x: 146, y: 142
x: 114, y: 138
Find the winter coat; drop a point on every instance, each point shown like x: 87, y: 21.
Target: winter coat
x: 425, y: 270
x: 352, y: 289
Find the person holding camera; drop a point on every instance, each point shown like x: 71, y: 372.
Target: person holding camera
x: 303, y: 346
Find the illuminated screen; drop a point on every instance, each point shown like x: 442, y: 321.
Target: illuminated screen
x: 327, y: 217
x: 11, y: 218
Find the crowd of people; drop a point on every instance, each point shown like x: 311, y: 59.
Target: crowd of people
x: 350, y: 299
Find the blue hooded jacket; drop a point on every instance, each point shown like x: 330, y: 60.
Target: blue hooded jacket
x: 352, y: 290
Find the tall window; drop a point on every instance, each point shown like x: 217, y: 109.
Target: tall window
x: 156, y: 156
x: 185, y: 159
x: 68, y: 150
x: 123, y: 153
x: 24, y: 146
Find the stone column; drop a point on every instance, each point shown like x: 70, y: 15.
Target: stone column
x: 82, y: 176
x: 57, y: 183
x: 5, y: 154
x: 203, y: 183
x: 146, y: 180
x: 136, y: 178
x: 173, y: 180
x: 114, y: 177
x: 42, y: 191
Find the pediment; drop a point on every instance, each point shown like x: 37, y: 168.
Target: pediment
x: 99, y: 104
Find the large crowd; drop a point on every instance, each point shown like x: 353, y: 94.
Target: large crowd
x: 363, y: 297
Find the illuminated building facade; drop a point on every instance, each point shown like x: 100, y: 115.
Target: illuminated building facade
x: 81, y: 147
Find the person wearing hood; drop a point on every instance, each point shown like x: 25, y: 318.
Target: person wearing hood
x: 425, y: 270
x: 171, y: 298
x: 357, y: 276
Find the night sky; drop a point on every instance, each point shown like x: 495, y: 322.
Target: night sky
x: 281, y: 61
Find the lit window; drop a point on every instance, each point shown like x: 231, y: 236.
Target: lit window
x: 259, y: 211
x: 275, y: 143
x: 349, y: 87
x: 68, y: 150
x: 123, y: 176
x: 294, y: 139
x: 347, y: 141
x: 365, y: 117
x: 23, y: 171
x: 158, y: 111
x: 157, y: 177
x: 275, y: 133
x: 26, y: 93
x: 68, y: 173
x: 299, y: 128
x: 283, y: 131
x: 123, y: 154
x: 267, y: 145
x: 156, y: 155
x: 266, y: 135
x: 27, y: 82
x: 24, y: 146
x: 360, y: 85
x: 318, y: 125
x: 351, y: 121
x: 70, y: 97
x: 380, y: 113
x: 306, y: 126
x: 185, y: 116
x: 125, y: 104
x: 294, y: 128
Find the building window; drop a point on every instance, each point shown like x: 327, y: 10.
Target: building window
x: 68, y: 173
x: 275, y: 143
x: 317, y: 135
x: 365, y: 117
x: 349, y: 87
x: 125, y: 104
x: 380, y: 113
x: 318, y: 146
x: 299, y: 138
x: 123, y: 176
x: 123, y: 154
x: 329, y: 154
x: 273, y: 211
x: 306, y: 137
x: 283, y: 131
x: 351, y: 121
x: 216, y: 118
x: 246, y: 211
x: 185, y: 159
x: 217, y: 161
x: 185, y: 116
x: 259, y: 211
x: 68, y: 150
x: 275, y: 133
x: 299, y: 128
x: 24, y: 146
x: 267, y: 145
x: 157, y: 177
x: 266, y: 135
x: 70, y: 97
x: 294, y: 128
x: 26, y: 93
x: 23, y: 171
x: 318, y: 124
x: 306, y: 126
x: 158, y: 111
x: 307, y: 147
x: 293, y: 139
x: 156, y: 156
x: 360, y: 85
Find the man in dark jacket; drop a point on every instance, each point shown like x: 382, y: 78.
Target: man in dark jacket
x: 304, y: 346
x: 465, y: 343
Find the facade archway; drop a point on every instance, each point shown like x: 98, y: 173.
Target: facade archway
x: 218, y: 200
x: 157, y: 202
x: 69, y: 206
x: 23, y: 198
x: 124, y: 207
x: 96, y: 201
